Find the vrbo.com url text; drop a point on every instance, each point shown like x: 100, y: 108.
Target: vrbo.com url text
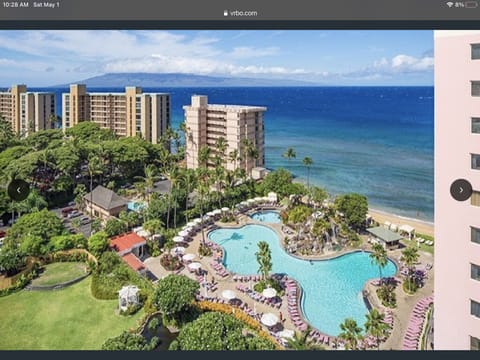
x: 240, y: 13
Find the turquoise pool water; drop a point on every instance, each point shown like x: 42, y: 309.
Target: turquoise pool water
x: 332, y: 289
x: 267, y: 216
x: 135, y: 206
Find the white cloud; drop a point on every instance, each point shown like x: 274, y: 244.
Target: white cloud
x: 410, y: 63
x: 243, y: 52
x: 177, y: 64
x: 404, y: 63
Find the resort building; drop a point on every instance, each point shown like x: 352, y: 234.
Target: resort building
x: 457, y: 223
x: 28, y: 112
x: 237, y: 124
x: 103, y: 203
x: 130, y: 113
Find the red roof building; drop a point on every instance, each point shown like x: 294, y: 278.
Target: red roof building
x: 131, y: 247
x: 133, y: 262
x: 126, y: 243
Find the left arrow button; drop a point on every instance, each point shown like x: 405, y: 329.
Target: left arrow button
x: 18, y: 189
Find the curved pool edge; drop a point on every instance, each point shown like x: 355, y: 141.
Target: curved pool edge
x: 300, y: 297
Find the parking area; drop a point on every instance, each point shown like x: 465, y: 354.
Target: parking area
x: 74, y: 220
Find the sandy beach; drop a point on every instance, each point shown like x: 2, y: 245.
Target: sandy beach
x: 422, y: 227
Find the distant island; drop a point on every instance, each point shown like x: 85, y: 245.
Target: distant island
x: 181, y: 80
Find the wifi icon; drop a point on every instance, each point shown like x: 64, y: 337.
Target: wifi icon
x: 449, y: 4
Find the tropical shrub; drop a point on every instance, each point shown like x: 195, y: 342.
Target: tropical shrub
x: 218, y: 331
x: 204, y: 250
x: 174, y: 296
x: 130, y: 341
x: 170, y: 262
x: 386, y: 294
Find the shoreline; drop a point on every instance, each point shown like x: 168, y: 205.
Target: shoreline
x: 421, y: 226
x: 378, y: 210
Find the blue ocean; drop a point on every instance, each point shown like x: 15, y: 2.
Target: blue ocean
x: 377, y: 141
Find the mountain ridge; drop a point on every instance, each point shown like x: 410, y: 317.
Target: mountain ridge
x: 180, y: 80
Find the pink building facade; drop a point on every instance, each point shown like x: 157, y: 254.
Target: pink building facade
x: 457, y: 223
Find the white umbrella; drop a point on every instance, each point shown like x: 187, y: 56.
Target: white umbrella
x: 178, y: 239
x: 177, y: 250
x: 229, y: 294
x: 210, y: 213
x: 217, y: 212
x: 225, y: 209
x: 250, y: 201
x: 269, y: 319
x: 188, y: 257
x: 269, y: 293
x: 194, y: 266
x: 244, y: 203
x: 183, y: 233
x: 197, y: 221
x: 258, y: 199
x: 286, y: 334
x: 191, y: 224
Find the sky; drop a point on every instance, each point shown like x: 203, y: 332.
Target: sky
x: 340, y: 57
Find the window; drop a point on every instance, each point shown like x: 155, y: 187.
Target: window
x: 475, y: 201
x: 475, y: 272
x: 475, y: 308
x: 475, y: 161
x: 476, y: 125
x: 475, y: 88
x: 475, y: 51
x: 475, y: 235
x: 474, y: 343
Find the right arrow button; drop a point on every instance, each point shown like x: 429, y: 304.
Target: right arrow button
x: 461, y: 190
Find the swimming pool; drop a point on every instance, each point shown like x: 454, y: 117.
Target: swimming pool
x: 268, y: 216
x: 135, y: 206
x: 332, y: 289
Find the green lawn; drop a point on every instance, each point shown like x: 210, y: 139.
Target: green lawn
x: 423, y: 246
x: 68, y: 319
x: 60, y: 272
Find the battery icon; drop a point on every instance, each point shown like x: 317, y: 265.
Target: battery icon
x: 471, y: 4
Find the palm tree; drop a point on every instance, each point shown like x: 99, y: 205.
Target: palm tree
x: 164, y: 159
x: 149, y: 179
x: 379, y: 257
x: 94, y: 167
x: 53, y: 121
x: 300, y: 341
x: 307, y: 161
x: 289, y: 154
x: 204, y: 156
x: 175, y: 177
x: 375, y: 325
x: 176, y: 140
x: 351, y: 333
x: 233, y: 157
x: 247, y: 151
x: 221, y: 145
x: 189, y: 180
x: 253, y: 153
x: 202, y: 190
x: 410, y: 257
x: 264, y: 259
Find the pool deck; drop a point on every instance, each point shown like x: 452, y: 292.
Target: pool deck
x: 401, y: 314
